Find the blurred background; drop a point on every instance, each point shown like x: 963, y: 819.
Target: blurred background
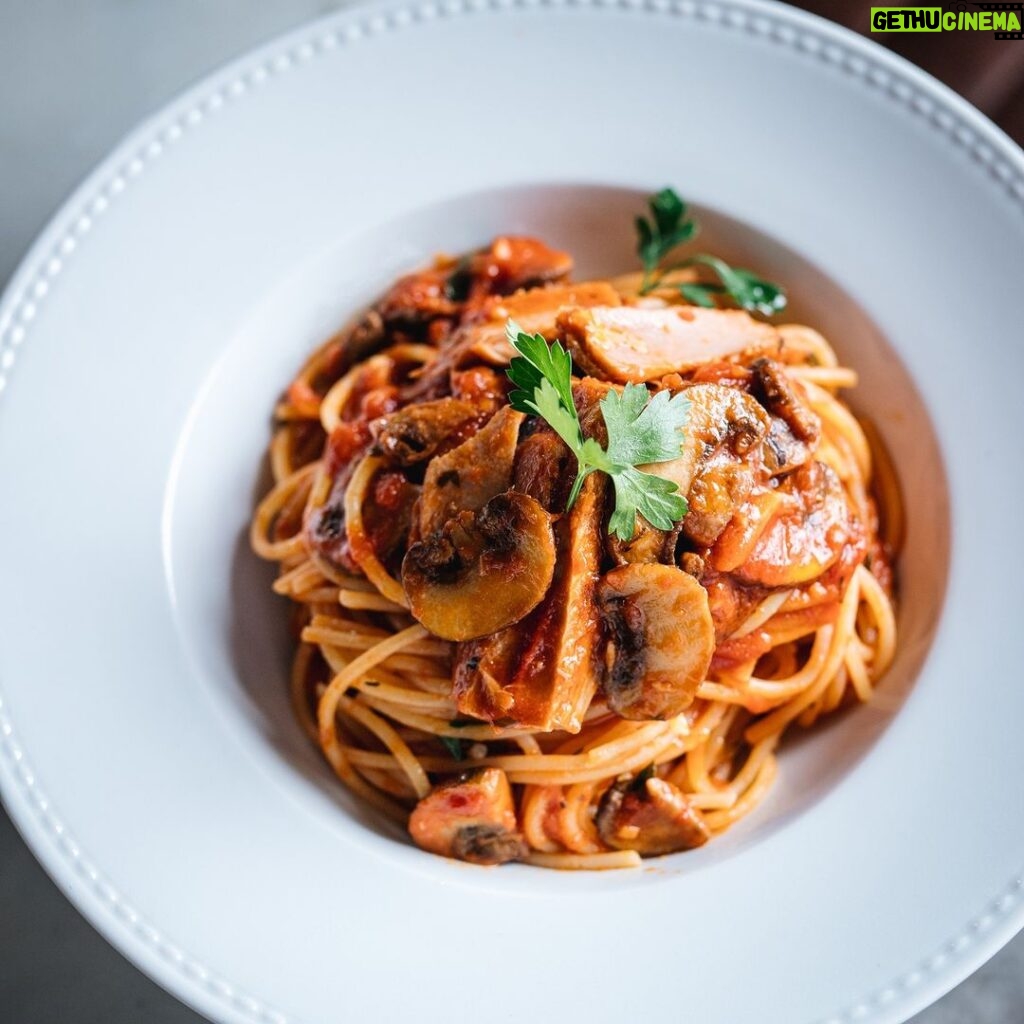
x: 75, y: 76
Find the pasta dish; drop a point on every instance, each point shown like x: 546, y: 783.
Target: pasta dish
x: 568, y: 559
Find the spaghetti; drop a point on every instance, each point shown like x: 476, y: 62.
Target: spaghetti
x: 416, y: 383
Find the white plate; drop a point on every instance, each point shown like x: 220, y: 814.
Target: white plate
x: 149, y: 756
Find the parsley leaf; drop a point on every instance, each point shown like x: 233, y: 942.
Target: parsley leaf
x: 671, y: 225
x: 658, y: 500
x: 540, y: 362
x: 701, y: 294
x: 668, y: 227
x: 641, y: 430
x: 744, y: 287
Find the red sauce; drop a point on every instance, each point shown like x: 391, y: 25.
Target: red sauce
x: 480, y: 383
x: 347, y: 440
x: 303, y: 398
x: 389, y: 491
x: 379, y: 402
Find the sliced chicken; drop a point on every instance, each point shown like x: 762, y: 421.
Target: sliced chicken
x: 544, y: 469
x: 652, y: 818
x: 542, y: 672
x: 634, y: 343
x: 535, y: 311
x: 471, y: 818
x: 480, y: 338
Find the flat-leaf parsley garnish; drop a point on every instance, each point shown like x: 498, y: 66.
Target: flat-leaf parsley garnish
x: 641, y: 430
x: 669, y: 226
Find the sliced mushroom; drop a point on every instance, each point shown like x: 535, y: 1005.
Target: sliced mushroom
x: 355, y: 344
x: 418, y: 432
x: 810, y: 527
x: 795, y: 428
x: 717, y: 491
x: 471, y: 818
x: 648, y: 544
x: 467, y: 477
x: 661, y: 639
x: 482, y: 571
x: 639, y: 343
x: 542, y: 672
x: 718, y: 464
x: 652, y: 818
x: 721, y: 420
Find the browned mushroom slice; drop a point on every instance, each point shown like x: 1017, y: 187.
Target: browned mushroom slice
x: 634, y: 343
x: 661, y: 639
x: 810, y: 526
x: 541, y: 673
x: 471, y: 818
x: 652, y: 819
x: 467, y: 477
x: 724, y: 434
x: 720, y: 418
x: 795, y: 427
x: 418, y: 432
x: 648, y: 544
x: 354, y: 345
x: 718, y: 463
x: 716, y: 493
x: 482, y: 571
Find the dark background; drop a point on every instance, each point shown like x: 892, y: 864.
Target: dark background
x: 986, y: 71
x: 75, y: 75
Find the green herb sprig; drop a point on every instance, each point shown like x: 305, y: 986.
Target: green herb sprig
x: 641, y: 430
x: 454, y: 746
x: 669, y: 226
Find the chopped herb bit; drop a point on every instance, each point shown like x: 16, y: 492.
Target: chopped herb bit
x: 456, y: 288
x: 454, y: 747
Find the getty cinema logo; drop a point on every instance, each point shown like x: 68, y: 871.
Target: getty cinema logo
x: 1003, y: 20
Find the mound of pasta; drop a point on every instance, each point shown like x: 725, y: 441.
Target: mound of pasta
x: 566, y: 618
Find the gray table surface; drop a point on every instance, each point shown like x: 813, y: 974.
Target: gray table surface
x: 74, y: 77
